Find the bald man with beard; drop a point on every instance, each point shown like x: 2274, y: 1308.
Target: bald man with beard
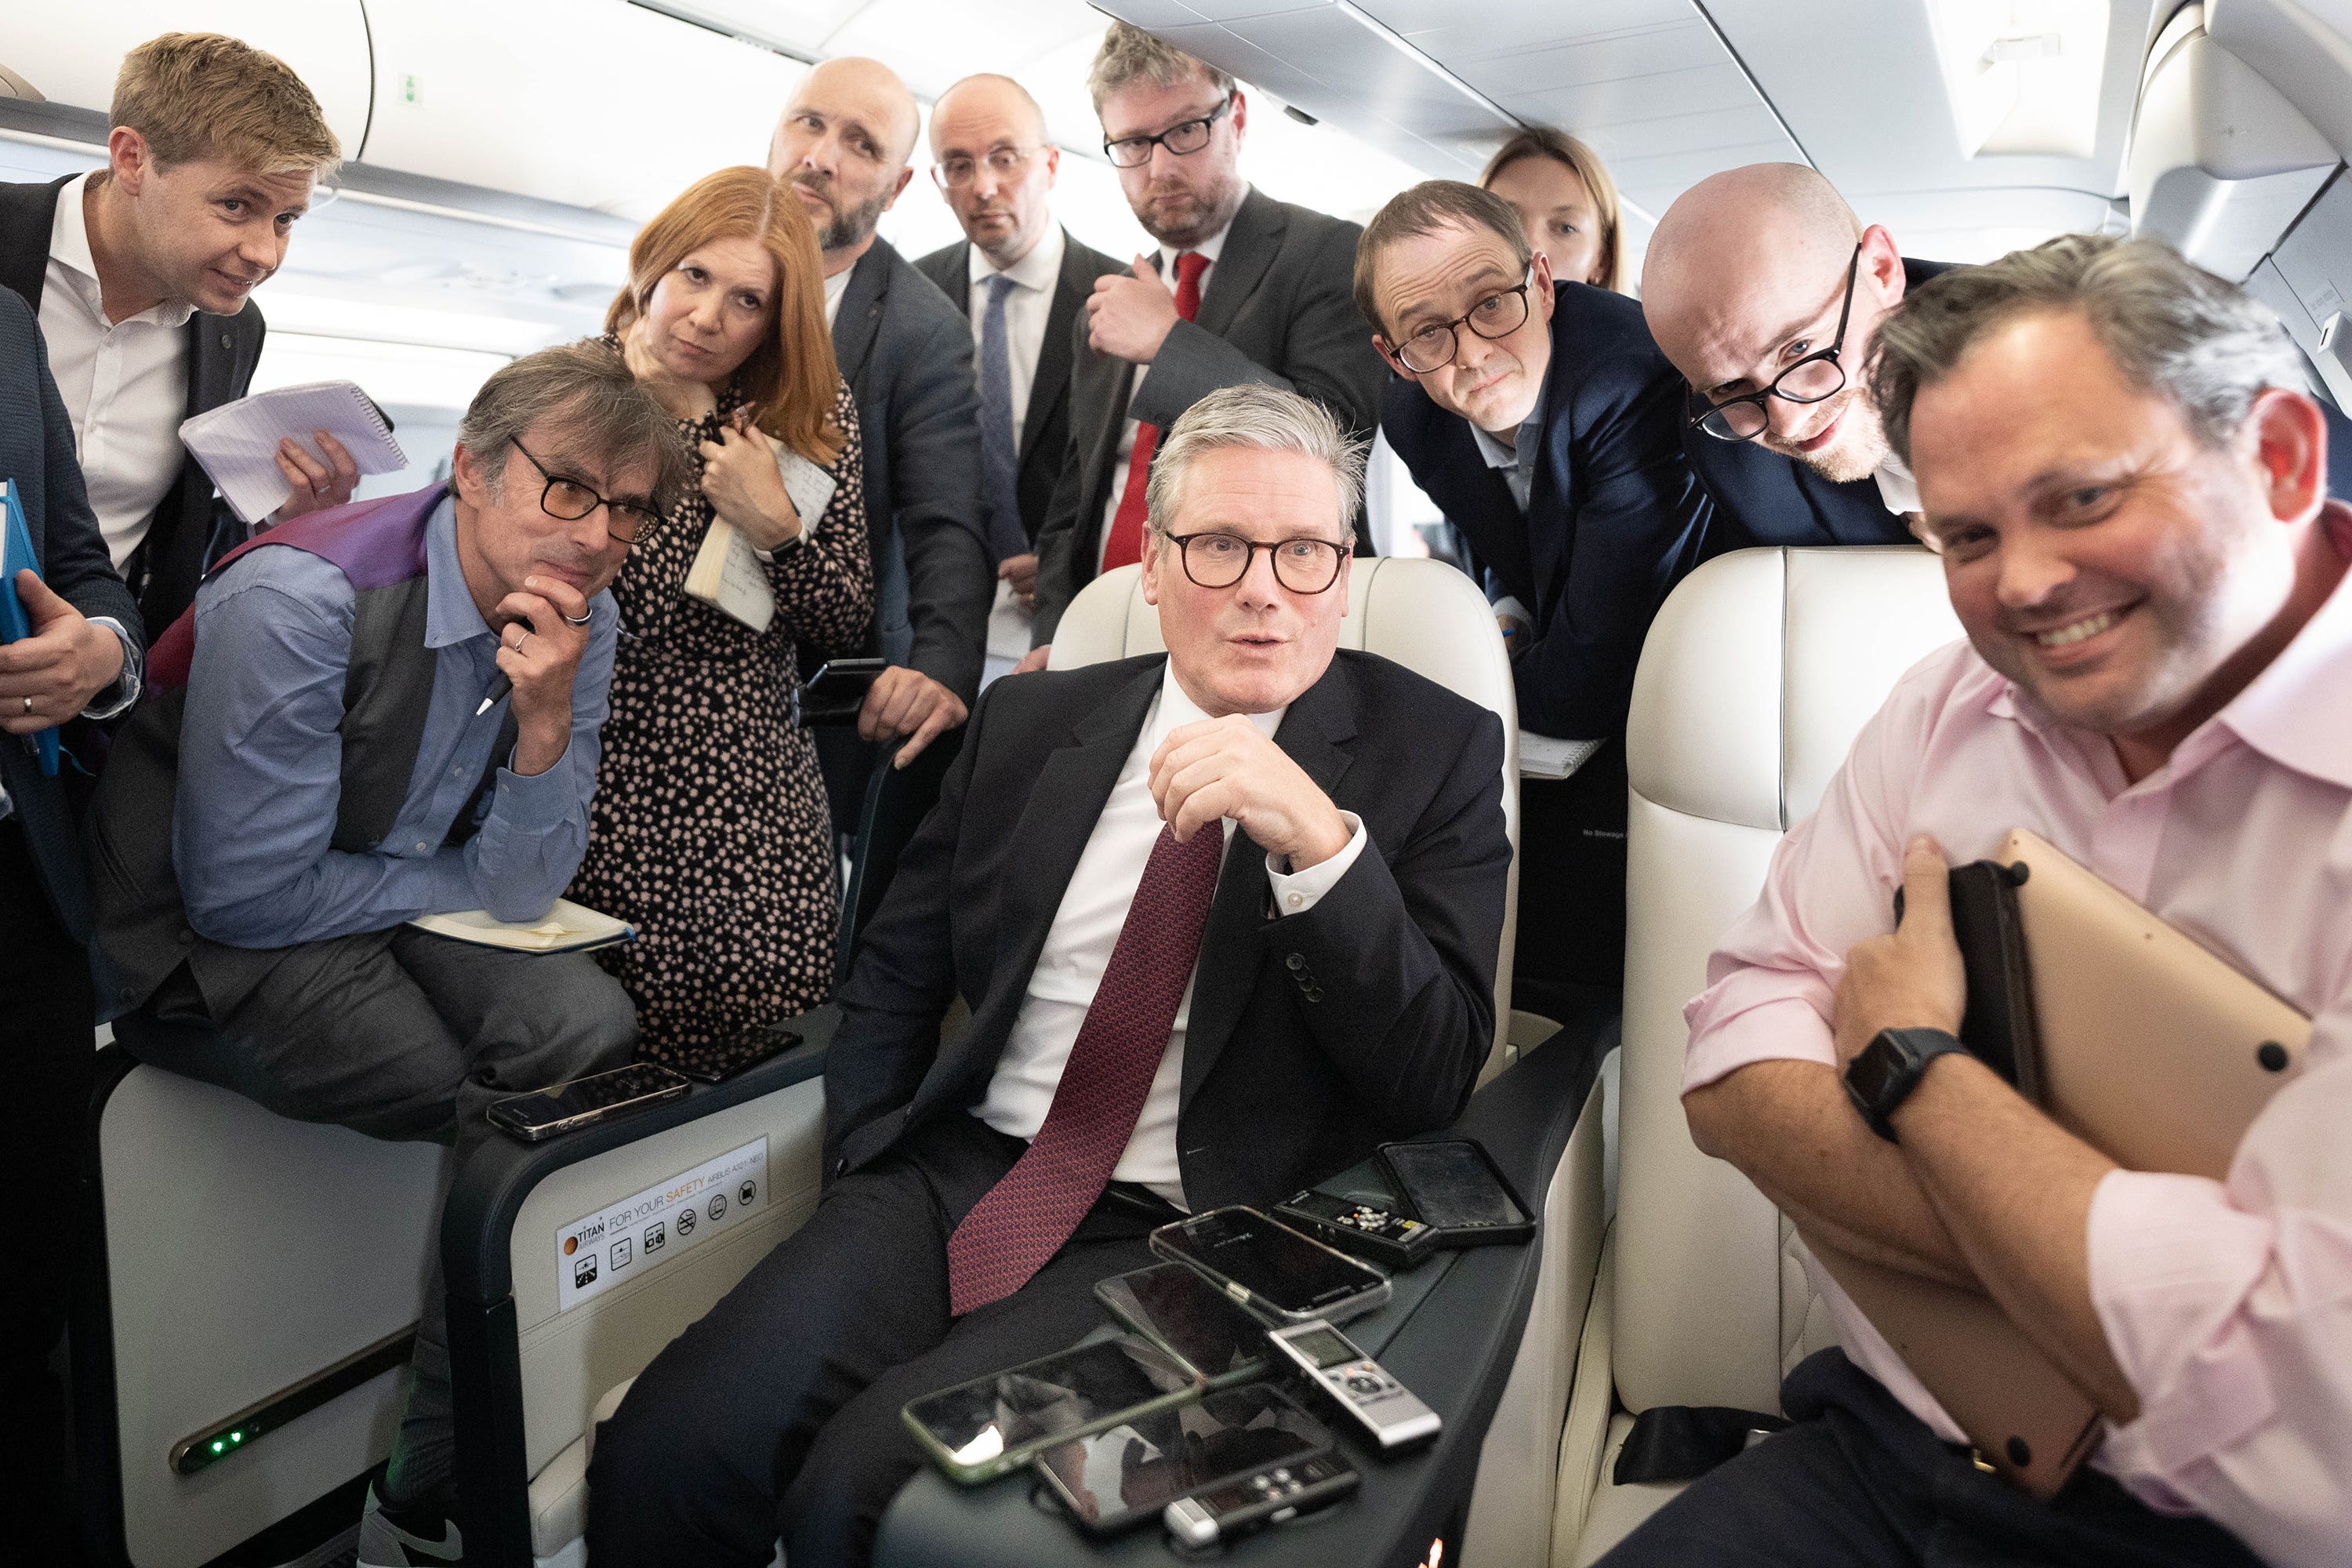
x: 905, y: 350
x: 1762, y: 279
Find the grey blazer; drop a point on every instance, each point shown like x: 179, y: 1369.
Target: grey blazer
x: 905, y: 349
x: 1279, y: 310
x: 37, y: 457
x: 1046, y: 423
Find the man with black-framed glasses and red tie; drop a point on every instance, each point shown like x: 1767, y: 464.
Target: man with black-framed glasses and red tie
x: 1224, y: 918
x: 1243, y: 288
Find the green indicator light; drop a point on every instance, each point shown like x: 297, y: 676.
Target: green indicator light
x: 237, y: 1436
x: 218, y: 1445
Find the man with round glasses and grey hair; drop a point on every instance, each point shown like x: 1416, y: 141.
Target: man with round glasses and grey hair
x: 2126, y: 482
x: 1224, y: 917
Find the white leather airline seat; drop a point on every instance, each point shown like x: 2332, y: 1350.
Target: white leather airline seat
x: 1424, y: 615
x: 1757, y: 673
x: 244, y: 1255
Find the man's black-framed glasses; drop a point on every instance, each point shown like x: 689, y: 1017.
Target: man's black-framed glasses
x: 1302, y: 565
x: 569, y: 499
x: 1498, y: 315
x: 1184, y: 139
x: 1812, y: 379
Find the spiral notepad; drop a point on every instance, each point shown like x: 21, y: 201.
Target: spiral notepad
x: 237, y: 442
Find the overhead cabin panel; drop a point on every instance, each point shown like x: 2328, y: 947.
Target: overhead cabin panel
x: 72, y: 56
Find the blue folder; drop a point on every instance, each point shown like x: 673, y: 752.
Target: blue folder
x: 16, y: 555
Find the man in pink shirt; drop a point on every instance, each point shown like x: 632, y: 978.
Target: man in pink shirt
x: 2127, y: 485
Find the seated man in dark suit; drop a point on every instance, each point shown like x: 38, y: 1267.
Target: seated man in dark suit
x: 386, y: 711
x: 81, y: 659
x: 1547, y: 427
x: 1322, y: 831
x: 1242, y: 288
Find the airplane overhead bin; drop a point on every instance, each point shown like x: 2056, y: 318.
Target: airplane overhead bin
x: 591, y: 103
x: 2221, y: 161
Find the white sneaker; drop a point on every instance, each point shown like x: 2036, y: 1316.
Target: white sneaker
x: 389, y: 1538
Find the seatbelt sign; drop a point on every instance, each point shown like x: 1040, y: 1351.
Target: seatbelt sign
x: 646, y: 1230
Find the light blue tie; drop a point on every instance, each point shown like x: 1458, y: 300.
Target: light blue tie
x: 1000, y: 459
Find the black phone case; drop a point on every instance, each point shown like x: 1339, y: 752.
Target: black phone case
x: 1998, y: 1028
x: 1453, y: 1238
x: 717, y: 1063
x: 844, y: 692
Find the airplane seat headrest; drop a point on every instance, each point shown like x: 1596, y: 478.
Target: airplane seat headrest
x: 1757, y: 673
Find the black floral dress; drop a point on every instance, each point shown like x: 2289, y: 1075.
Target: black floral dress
x: 709, y: 831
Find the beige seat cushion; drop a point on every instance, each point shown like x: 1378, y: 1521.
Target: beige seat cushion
x: 1615, y: 1511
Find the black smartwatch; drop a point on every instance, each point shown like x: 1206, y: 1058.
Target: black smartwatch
x: 1886, y: 1072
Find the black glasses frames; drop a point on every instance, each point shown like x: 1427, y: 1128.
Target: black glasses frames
x: 1504, y: 310
x: 1184, y: 139
x: 1817, y: 376
x: 1304, y: 565
x: 624, y: 520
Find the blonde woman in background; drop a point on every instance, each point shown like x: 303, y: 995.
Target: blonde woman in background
x: 1566, y: 202
x: 709, y: 831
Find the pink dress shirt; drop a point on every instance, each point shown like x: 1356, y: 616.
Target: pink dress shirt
x: 2227, y: 1304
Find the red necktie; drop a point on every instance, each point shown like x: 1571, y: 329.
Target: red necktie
x: 1024, y: 1219
x: 1124, y: 545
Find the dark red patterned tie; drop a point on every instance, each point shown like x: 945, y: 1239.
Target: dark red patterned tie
x: 1024, y: 1219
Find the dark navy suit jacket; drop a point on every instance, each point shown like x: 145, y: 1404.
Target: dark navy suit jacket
x: 37, y: 457
x: 1614, y: 518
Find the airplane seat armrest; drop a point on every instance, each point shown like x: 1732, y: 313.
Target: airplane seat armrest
x: 490, y: 1189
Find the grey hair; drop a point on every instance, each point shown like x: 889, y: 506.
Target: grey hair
x: 1263, y: 418
x: 1129, y: 54
x: 2172, y: 328
x: 586, y: 386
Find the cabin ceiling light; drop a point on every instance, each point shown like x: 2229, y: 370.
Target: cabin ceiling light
x: 2022, y: 75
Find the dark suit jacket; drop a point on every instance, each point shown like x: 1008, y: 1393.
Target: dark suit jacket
x: 905, y: 349
x: 37, y: 457
x: 1278, y: 309
x: 1614, y: 518
x: 190, y: 521
x: 1046, y: 423
x: 1312, y: 1038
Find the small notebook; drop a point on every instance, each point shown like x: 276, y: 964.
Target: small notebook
x: 1543, y: 757
x: 237, y: 442
x: 566, y: 928
x: 728, y: 575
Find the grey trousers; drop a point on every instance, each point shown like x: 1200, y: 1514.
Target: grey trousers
x: 404, y: 1035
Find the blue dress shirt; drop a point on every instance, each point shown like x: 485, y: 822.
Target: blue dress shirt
x: 261, y: 759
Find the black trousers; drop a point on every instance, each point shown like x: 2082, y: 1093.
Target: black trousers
x: 1860, y: 1482
x: 47, y: 1007
x: 777, y: 1415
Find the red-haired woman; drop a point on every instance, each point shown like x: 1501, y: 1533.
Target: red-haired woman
x: 709, y: 831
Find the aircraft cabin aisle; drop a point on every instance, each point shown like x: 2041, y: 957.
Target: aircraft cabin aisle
x: 247, y: 1288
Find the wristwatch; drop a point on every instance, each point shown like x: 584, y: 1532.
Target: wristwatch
x: 1885, y: 1072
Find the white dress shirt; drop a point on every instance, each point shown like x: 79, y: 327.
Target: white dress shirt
x: 124, y: 384
x: 834, y: 288
x: 1896, y: 488
x: 1035, y: 276
x: 1209, y: 248
x: 2228, y: 1304
x: 1026, y: 309
x: 1078, y: 947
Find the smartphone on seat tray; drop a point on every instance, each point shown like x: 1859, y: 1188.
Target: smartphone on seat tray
x: 1270, y: 1269
x: 585, y: 1101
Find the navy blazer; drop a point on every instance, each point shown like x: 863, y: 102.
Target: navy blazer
x: 1312, y: 1036
x: 189, y: 525
x: 905, y: 349
x: 37, y: 457
x: 1046, y: 423
x: 1614, y: 517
